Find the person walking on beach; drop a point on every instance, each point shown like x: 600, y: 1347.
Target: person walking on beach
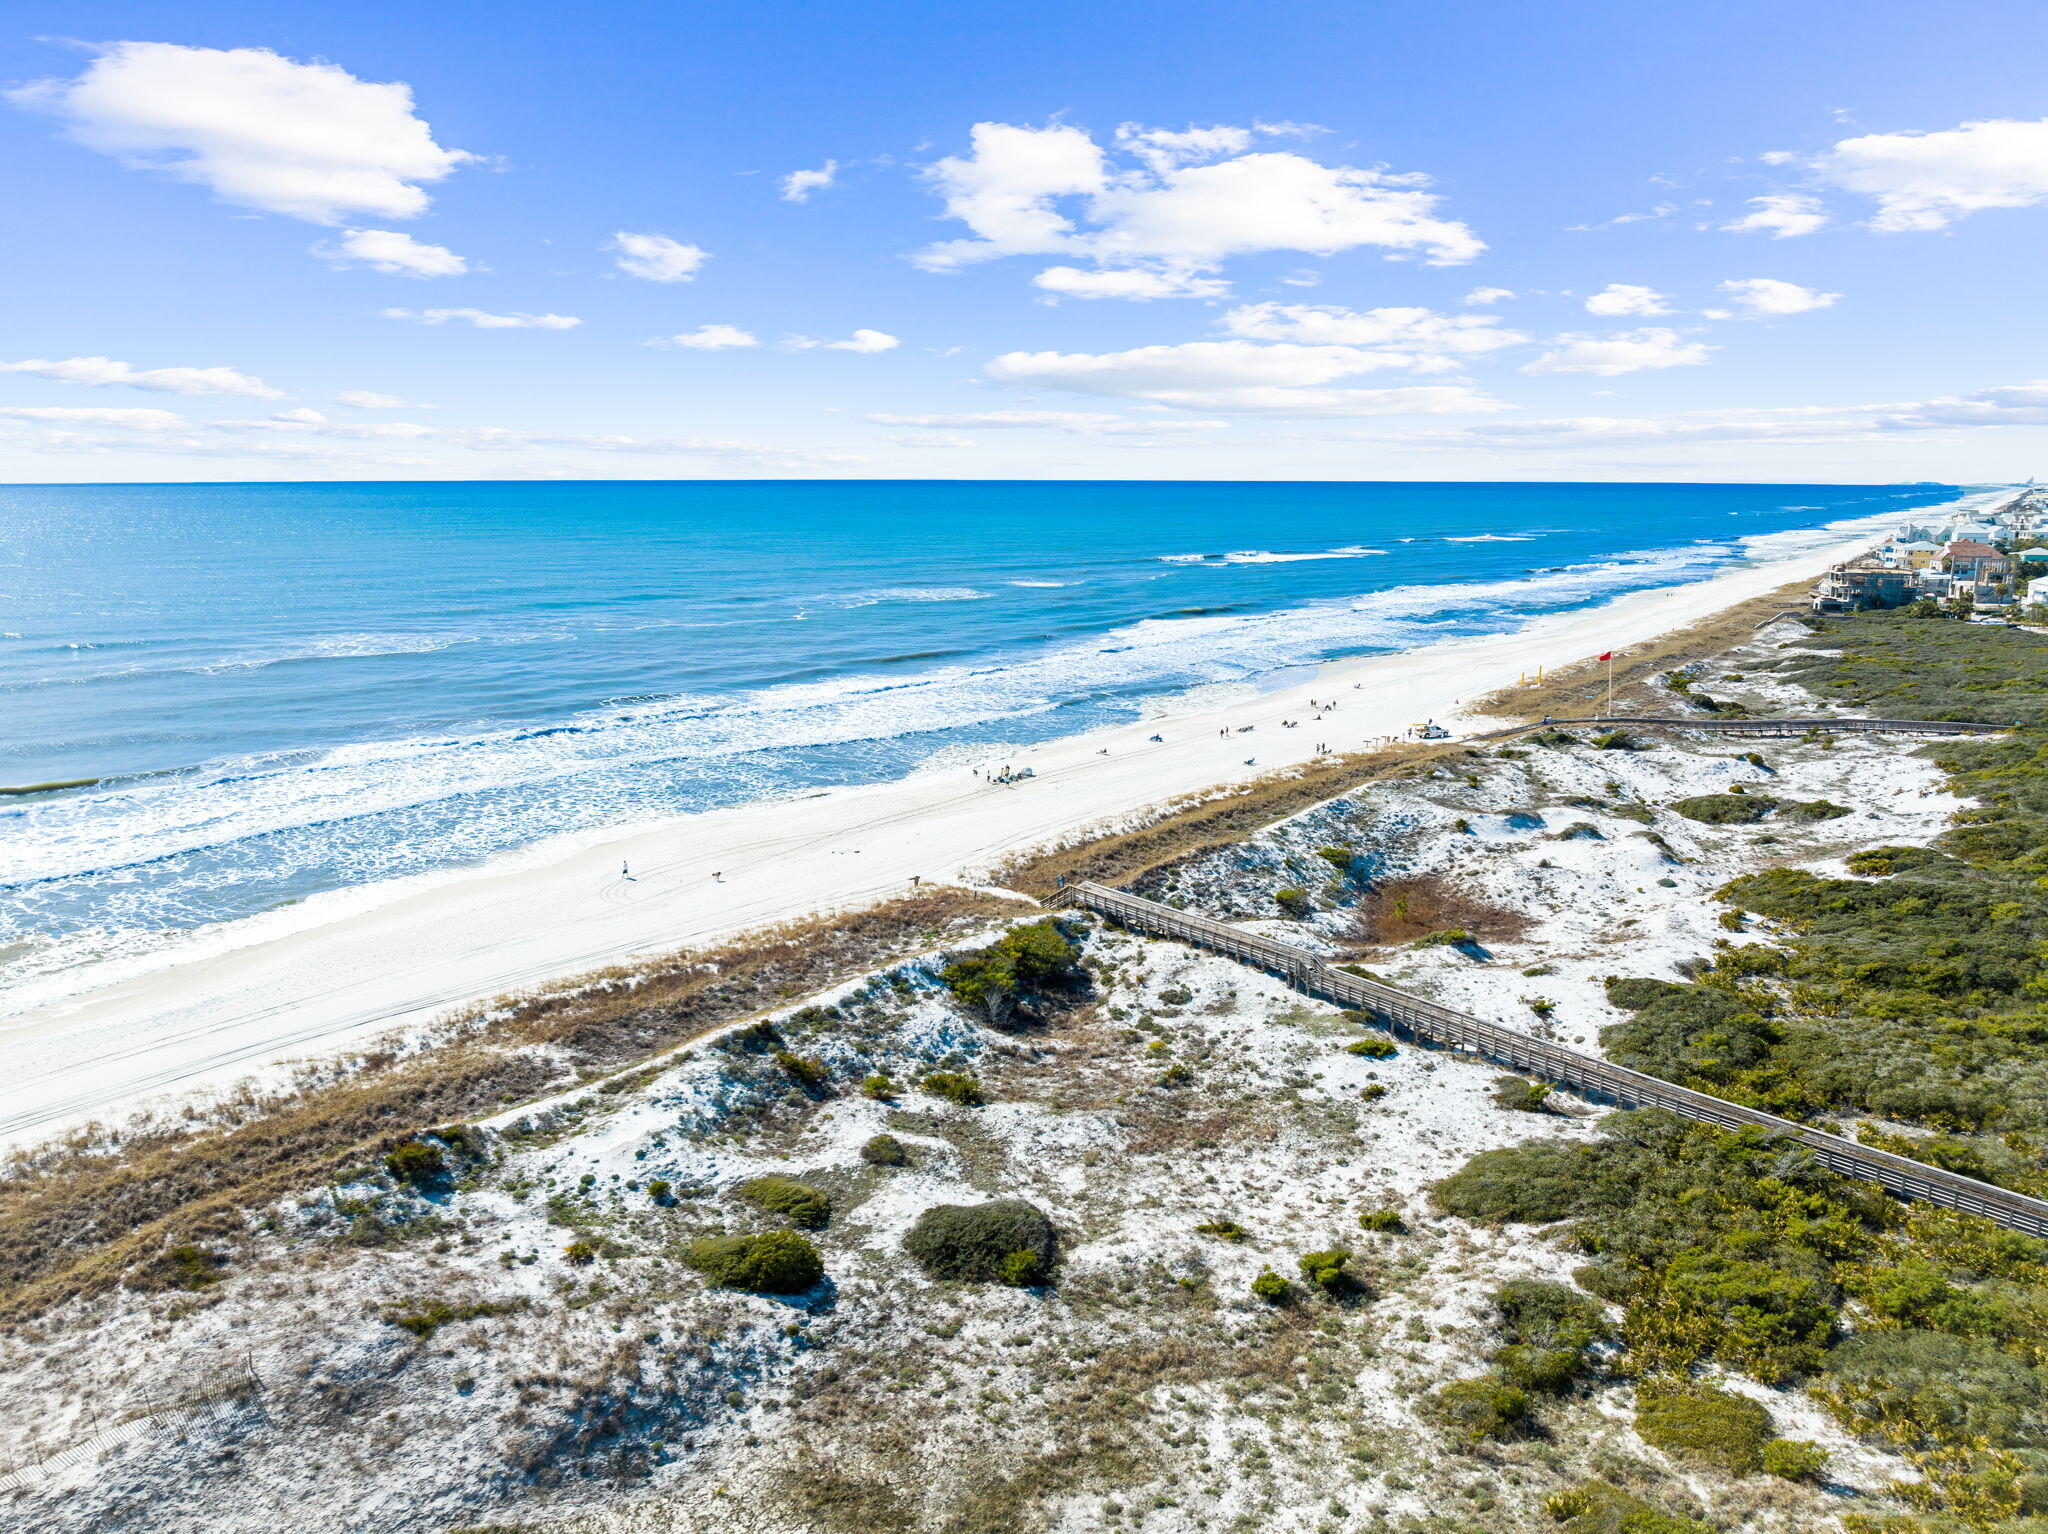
x: 626, y: 873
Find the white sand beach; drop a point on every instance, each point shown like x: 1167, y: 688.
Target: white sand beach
x: 396, y: 957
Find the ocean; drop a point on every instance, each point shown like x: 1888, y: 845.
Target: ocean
x: 286, y: 690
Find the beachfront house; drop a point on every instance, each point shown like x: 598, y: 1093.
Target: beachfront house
x: 1865, y: 582
x: 1974, y: 561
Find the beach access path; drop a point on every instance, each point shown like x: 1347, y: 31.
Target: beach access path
x: 563, y: 909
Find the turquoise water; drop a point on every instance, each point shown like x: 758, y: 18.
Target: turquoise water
x: 288, y: 689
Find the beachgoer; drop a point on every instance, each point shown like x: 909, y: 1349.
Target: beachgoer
x: 625, y: 872
x: 718, y: 878
x: 1249, y: 760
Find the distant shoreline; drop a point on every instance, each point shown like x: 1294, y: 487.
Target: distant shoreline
x: 386, y: 957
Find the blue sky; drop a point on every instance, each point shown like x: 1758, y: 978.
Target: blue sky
x: 1583, y: 241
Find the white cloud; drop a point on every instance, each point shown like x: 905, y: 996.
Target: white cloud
x: 87, y: 415
x: 1767, y: 295
x: 869, y: 341
x: 798, y: 185
x: 365, y: 399
x: 1621, y: 351
x: 1403, y: 337
x: 486, y: 321
x: 1923, y: 181
x: 1078, y: 423
x: 1781, y: 215
x: 1488, y: 295
x: 103, y: 372
x: 1233, y: 377
x: 1180, y: 212
x: 709, y: 338
x: 927, y: 439
x: 1133, y: 282
x: 1627, y: 298
x: 389, y: 251
x: 261, y: 131
x: 657, y: 258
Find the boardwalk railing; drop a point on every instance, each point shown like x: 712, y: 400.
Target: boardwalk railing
x: 1582, y: 1073
x: 1747, y: 726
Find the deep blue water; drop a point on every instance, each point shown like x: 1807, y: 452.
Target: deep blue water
x: 287, y: 689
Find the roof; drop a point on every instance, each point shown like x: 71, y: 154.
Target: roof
x: 1969, y: 548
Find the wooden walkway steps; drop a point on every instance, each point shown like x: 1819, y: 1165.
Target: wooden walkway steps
x: 1584, y: 1074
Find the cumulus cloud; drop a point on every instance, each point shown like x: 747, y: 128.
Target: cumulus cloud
x: 798, y: 185
x: 1132, y: 282
x: 1627, y: 298
x: 104, y: 372
x: 927, y: 439
x: 1194, y: 198
x: 1078, y: 423
x: 860, y: 341
x: 259, y: 130
x: 1233, y: 377
x: 656, y: 257
x: 708, y: 338
x: 87, y: 415
x: 1767, y: 295
x: 389, y: 251
x: 1621, y: 351
x: 1923, y: 181
x: 484, y: 320
x: 1400, y: 337
x: 1488, y: 295
x: 1781, y: 215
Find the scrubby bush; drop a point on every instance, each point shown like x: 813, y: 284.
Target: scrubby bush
x: 1176, y: 996
x: 1812, y: 809
x: 797, y: 1202
x: 1550, y: 1370
x: 1554, y: 738
x: 1272, y: 1288
x: 1372, y: 1091
x: 416, y: 1162
x: 976, y: 1243
x: 658, y: 1190
x: 1012, y: 979
x: 1372, y: 1049
x: 806, y: 1071
x: 878, y: 1086
x: 1521, y: 1094
x: 1601, y: 1508
x: 579, y: 1253
x: 1339, y: 858
x: 1702, y: 1036
x: 1793, y: 1459
x: 1294, y: 904
x: 1223, y: 1230
x: 885, y: 1150
x: 1725, y: 809
x: 1327, y: 1270
x: 1480, y: 1408
x: 1539, y: 1313
x: 1386, y: 1222
x: 773, y: 1262
x: 1705, y: 1425
x: 1616, y: 740
x: 1444, y: 937
x: 1530, y: 1184
x: 955, y: 1087
x: 1919, y: 1389
x: 1579, y: 831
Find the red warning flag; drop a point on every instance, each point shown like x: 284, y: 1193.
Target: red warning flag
x: 1605, y: 655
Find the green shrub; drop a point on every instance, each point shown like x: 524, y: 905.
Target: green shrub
x: 1579, y: 831
x: 806, y: 1072
x: 1327, y: 1270
x: 1223, y: 1230
x: 1555, y: 738
x: 1616, y: 740
x: 1447, y: 937
x: 1386, y: 1222
x: 1294, y: 904
x: 878, y: 1086
x: 1919, y: 1389
x: 773, y: 1262
x: 1176, y: 995
x: 1550, y: 1370
x: 1339, y: 858
x: 579, y: 1253
x: 1522, y: 1184
x: 1008, y: 980
x: 1480, y: 1408
x: 1521, y: 1094
x: 1705, y: 1425
x: 1272, y: 1288
x: 955, y: 1087
x: 658, y: 1190
x: 975, y: 1243
x: 424, y: 1319
x: 1540, y: 1313
x: 1600, y: 1508
x: 417, y: 1163
x: 885, y: 1150
x: 1372, y: 1091
x: 1812, y: 809
x: 189, y: 1267
x: 1372, y: 1049
x: 797, y: 1202
x: 1792, y: 1459
x: 1725, y: 809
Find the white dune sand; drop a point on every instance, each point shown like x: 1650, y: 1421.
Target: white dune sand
x: 396, y: 957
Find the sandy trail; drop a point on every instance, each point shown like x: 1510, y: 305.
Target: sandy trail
x: 564, y: 908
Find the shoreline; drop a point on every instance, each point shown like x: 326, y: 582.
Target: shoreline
x: 555, y: 911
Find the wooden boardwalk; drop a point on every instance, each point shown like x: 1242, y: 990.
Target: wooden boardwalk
x: 1582, y: 1073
